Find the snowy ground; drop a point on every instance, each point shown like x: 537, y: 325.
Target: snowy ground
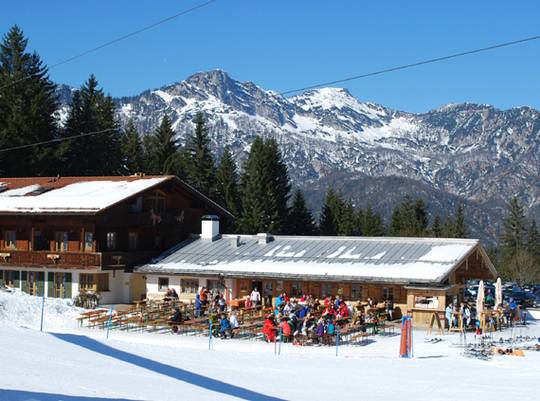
x: 69, y: 363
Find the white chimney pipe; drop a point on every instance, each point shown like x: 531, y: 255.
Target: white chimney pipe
x: 210, y: 227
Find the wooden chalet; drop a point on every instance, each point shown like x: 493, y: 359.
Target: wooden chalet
x: 60, y: 235
x: 420, y: 275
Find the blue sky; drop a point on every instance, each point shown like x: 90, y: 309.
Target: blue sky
x: 286, y: 44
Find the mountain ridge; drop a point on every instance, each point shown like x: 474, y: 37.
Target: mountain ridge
x: 472, y: 152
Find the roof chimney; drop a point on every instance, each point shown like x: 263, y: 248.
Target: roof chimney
x: 235, y: 242
x: 210, y: 227
x: 264, y: 238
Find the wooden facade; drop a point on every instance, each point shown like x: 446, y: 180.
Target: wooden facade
x: 114, y: 240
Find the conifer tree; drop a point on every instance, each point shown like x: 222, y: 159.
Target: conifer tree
x: 436, y: 228
x: 100, y: 154
x: 514, y: 229
x: 460, y: 227
x: 200, y: 166
x: 533, y: 240
x: 301, y: 219
x: 330, y: 214
x: 371, y: 223
x: 254, y: 217
x: 162, y: 148
x: 277, y: 188
x: 132, y: 150
x: 227, y: 187
x: 346, y: 220
x: 408, y: 218
x: 27, y: 108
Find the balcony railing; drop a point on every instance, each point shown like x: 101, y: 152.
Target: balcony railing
x: 80, y: 260
x: 49, y: 258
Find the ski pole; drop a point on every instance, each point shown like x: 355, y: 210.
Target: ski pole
x: 42, y: 310
x: 337, y: 340
x: 109, y: 322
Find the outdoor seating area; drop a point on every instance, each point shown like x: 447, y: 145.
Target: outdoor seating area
x: 300, y: 321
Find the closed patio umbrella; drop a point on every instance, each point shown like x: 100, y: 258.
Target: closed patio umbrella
x: 498, y: 293
x: 480, y: 299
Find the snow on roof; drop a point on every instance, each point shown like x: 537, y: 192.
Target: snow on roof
x: 350, y: 258
x: 80, y: 197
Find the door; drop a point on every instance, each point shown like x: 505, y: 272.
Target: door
x: 257, y: 285
x: 138, y: 287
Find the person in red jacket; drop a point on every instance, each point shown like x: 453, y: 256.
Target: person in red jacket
x: 269, y: 329
x: 286, y: 331
x: 343, y: 310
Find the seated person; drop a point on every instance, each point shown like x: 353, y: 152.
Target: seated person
x: 225, y: 327
x: 175, y: 319
x: 269, y: 328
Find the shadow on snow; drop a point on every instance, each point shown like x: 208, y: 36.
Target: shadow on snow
x: 19, y: 395
x: 167, y: 370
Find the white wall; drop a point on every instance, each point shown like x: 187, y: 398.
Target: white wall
x: 118, y: 288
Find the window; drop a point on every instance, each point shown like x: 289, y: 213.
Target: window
x: 133, y: 238
x: 189, y: 286
x: 388, y: 293
x: 327, y: 289
x: 136, y: 206
x: 61, y: 238
x: 88, y: 241
x: 10, y: 238
x: 94, y: 281
x: 157, y: 202
x: 112, y: 240
x: 163, y: 283
x: 356, y: 292
x: 296, y: 289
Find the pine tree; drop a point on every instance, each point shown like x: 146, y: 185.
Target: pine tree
x: 100, y: 154
x: 408, y: 218
x: 254, y: 218
x: 300, y: 219
x: 436, y: 228
x: 346, y: 220
x: 132, y: 150
x: 533, y: 240
x: 448, y: 227
x: 460, y: 227
x: 27, y: 108
x: 330, y: 214
x: 278, y: 188
x: 162, y: 149
x: 514, y: 230
x: 227, y: 191
x: 372, y: 223
x: 200, y: 166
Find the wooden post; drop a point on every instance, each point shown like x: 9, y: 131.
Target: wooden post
x: 32, y: 236
x: 82, y: 244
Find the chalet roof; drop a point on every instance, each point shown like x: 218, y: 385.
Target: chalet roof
x: 378, y: 259
x: 74, y: 195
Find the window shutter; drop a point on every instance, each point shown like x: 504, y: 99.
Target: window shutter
x: 2, y: 281
x: 67, y: 283
x: 16, y: 279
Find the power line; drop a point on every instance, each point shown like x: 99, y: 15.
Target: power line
x: 416, y: 64
x: 57, y: 140
x: 119, y: 39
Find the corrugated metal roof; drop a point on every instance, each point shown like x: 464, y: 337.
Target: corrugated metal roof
x: 406, y: 259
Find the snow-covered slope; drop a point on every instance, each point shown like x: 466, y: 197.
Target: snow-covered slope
x: 475, y: 153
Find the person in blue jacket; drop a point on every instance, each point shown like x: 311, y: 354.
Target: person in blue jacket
x: 225, y: 327
x: 198, y: 305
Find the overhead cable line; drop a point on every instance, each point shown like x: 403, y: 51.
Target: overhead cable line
x: 113, y: 41
x: 56, y: 140
x: 416, y: 64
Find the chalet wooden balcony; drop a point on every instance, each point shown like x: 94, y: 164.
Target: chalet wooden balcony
x: 73, y: 260
x: 84, y: 260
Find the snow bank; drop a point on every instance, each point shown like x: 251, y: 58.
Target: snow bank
x: 23, y: 310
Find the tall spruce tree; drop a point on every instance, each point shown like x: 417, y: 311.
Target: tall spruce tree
x: 371, y: 223
x: 278, y: 188
x: 514, y: 229
x: 300, y: 219
x: 409, y: 219
x: 99, y: 154
x: 347, y: 223
x: 227, y: 190
x: 330, y: 213
x: 132, y: 150
x: 27, y: 107
x: 436, y: 227
x: 200, y: 168
x: 254, y: 217
x: 533, y: 240
x: 162, y: 149
x: 460, y: 227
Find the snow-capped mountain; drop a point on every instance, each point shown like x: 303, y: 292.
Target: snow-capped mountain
x: 469, y: 153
